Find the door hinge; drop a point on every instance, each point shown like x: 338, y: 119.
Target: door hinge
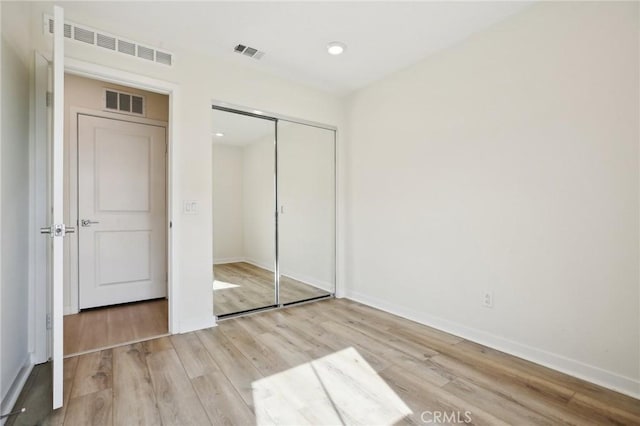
x: 48, y: 321
x: 49, y: 99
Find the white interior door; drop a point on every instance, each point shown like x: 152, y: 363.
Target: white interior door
x: 121, y: 211
x: 57, y: 229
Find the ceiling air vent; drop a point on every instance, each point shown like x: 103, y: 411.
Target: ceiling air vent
x: 248, y: 51
x: 84, y: 34
x: 126, y: 48
x: 106, y: 41
x: 123, y: 102
x: 145, y: 53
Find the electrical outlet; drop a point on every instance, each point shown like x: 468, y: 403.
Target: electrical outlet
x: 487, y: 299
x: 48, y: 321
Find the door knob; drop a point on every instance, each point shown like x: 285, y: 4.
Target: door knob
x: 87, y: 222
x: 57, y: 230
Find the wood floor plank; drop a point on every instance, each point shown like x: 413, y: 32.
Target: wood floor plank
x: 264, y: 359
x: 426, y: 371
x: 518, y: 392
x: 433, y: 399
x: 177, y: 401
x: 91, y: 409
x: 113, y: 325
x: 134, y: 400
x: 93, y: 373
x: 119, y: 320
x: 151, y: 319
x: 240, y: 371
x: 417, y: 349
x: 194, y: 356
x: 324, y: 333
x: 221, y: 401
x: 285, y: 349
x: 88, y: 333
x: 625, y: 413
x: 157, y: 345
x: 503, y: 408
x: 365, y: 343
x: 294, y: 334
x: 34, y: 390
x: 509, y: 371
x: 512, y: 363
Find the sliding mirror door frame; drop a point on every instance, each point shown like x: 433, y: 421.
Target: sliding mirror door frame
x: 248, y: 270
x: 307, y: 214
x: 275, y: 118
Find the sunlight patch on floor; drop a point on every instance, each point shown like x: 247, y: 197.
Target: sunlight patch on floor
x: 338, y: 389
x: 221, y: 285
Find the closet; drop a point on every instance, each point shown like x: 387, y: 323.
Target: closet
x: 274, y: 211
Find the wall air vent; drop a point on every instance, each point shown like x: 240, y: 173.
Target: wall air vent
x: 248, y: 51
x: 123, y: 102
x: 87, y: 35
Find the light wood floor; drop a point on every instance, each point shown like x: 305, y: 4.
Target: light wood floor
x: 256, y: 288
x: 329, y: 362
x: 114, y: 325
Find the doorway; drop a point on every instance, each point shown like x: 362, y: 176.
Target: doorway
x: 273, y: 211
x: 116, y: 285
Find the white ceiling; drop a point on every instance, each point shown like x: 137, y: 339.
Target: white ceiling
x: 239, y: 130
x: 382, y: 37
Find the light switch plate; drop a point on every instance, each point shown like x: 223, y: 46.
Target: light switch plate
x: 190, y: 207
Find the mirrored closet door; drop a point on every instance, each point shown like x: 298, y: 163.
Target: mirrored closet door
x: 306, y: 211
x: 244, y: 250
x: 273, y: 212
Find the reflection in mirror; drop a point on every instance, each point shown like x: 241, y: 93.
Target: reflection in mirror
x: 243, y: 212
x: 306, y: 215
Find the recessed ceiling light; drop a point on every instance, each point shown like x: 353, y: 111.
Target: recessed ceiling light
x: 336, y: 48
x: 255, y: 111
x: 219, y: 134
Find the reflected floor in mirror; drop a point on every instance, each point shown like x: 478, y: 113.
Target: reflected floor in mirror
x: 242, y: 286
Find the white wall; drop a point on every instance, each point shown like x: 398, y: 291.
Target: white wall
x: 86, y: 93
x: 200, y: 80
x: 14, y: 193
x: 228, y: 203
x: 509, y: 163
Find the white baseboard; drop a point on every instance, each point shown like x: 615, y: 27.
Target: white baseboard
x: 258, y: 264
x: 194, y: 324
x: 9, y: 400
x: 608, y: 379
x: 224, y: 260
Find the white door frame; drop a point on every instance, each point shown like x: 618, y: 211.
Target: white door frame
x: 38, y: 329
x: 74, y: 240
x: 124, y: 78
x: 39, y: 296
